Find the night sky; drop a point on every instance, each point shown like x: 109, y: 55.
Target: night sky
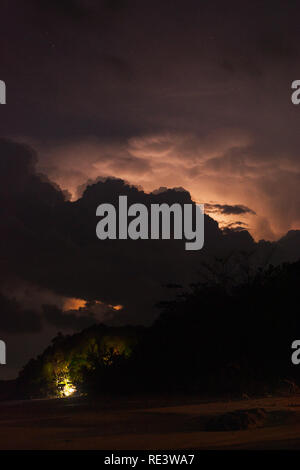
x: 193, y: 95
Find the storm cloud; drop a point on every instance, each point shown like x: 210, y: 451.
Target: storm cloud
x: 49, y: 244
x: 126, y: 97
x: 194, y: 95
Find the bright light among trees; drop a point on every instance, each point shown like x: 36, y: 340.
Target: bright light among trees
x: 68, y: 390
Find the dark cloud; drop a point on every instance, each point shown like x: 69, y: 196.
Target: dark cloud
x: 17, y: 320
x: 67, y: 320
x: 227, y: 209
x: 237, y: 226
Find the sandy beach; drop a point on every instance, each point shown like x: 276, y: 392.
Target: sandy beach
x: 144, y: 424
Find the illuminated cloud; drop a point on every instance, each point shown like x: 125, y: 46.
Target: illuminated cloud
x: 73, y: 304
x: 219, y: 167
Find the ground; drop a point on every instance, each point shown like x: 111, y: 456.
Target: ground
x: 148, y: 423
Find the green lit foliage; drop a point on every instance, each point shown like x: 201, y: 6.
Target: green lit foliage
x: 70, y: 361
x: 113, y: 347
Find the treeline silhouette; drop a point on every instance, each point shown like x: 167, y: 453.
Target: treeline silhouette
x: 219, y: 337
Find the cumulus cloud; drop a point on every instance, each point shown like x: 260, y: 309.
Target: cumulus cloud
x: 221, y: 167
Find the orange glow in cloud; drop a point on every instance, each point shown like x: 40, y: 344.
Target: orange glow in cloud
x: 117, y: 307
x: 217, y: 167
x: 73, y: 304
